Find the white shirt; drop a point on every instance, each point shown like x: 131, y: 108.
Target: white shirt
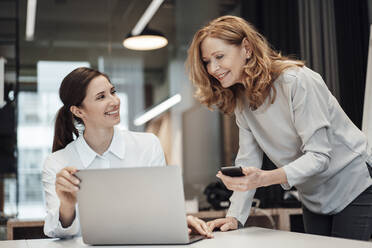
x: 306, y: 132
x: 127, y: 149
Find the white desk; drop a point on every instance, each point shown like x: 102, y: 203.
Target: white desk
x: 247, y: 237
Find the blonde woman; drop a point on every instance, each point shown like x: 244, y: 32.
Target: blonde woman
x: 284, y: 109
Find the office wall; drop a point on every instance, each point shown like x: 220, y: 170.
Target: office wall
x: 202, y: 149
x: 195, y: 130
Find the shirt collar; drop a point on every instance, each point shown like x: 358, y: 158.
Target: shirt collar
x: 117, y: 146
x: 87, y: 154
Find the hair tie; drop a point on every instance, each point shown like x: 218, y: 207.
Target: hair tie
x: 66, y: 109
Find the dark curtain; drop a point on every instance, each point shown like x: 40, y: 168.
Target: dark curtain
x: 278, y: 22
x: 8, y: 140
x: 317, y: 25
x: 352, y: 31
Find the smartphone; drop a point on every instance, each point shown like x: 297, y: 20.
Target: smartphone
x: 232, y: 171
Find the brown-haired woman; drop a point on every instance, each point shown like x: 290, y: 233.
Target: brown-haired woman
x: 90, y: 99
x: 284, y: 109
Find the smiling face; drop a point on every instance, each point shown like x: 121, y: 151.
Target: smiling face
x: 101, y: 106
x: 224, y: 61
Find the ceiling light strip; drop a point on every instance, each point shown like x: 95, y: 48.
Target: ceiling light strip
x: 2, y: 81
x: 157, y: 110
x: 30, y: 19
x: 146, y: 17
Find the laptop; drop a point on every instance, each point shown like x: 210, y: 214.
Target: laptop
x: 133, y: 206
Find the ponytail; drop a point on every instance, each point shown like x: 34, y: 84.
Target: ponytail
x: 64, y: 129
x: 72, y: 93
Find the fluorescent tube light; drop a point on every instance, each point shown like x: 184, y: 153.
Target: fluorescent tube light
x: 2, y: 81
x: 157, y: 110
x: 30, y: 19
x: 146, y: 17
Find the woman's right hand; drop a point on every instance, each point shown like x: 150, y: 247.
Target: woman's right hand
x: 224, y: 224
x: 67, y: 185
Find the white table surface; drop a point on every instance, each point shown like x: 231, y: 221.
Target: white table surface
x: 247, y: 237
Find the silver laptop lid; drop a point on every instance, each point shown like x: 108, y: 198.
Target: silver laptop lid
x: 132, y: 206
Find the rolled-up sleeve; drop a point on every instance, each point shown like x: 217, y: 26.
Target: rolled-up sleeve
x: 52, y: 226
x: 310, y: 102
x: 249, y: 154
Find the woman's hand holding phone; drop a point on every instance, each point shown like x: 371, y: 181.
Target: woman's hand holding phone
x: 232, y: 171
x: 250, y: 178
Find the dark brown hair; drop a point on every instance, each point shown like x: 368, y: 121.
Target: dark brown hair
x: 72, y: 92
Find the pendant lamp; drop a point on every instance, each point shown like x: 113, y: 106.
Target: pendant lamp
x: 148, y: 39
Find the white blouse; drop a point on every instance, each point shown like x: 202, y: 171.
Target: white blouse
x: 127, y: 149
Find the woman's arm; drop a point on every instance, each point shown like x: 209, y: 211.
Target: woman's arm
x: 67, y: 186
x: 55, y: 225
x: 254, y: 178
x: 249, y: 154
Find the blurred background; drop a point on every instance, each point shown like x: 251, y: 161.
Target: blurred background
x: 43, y: 40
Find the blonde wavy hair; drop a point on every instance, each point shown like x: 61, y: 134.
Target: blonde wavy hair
x: 260, y: 71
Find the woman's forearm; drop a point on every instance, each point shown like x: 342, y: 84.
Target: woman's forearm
x: 277, y: 176
x: 66, y: 215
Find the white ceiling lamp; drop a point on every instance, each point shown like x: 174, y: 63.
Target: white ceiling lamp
x: 142, y: 38
x: 157, y: 110
x: 30, y: 19
x: 148, y: 39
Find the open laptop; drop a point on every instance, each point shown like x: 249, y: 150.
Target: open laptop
x: 133, y: 206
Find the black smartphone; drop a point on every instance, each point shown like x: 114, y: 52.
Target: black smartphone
x: 232, y: 171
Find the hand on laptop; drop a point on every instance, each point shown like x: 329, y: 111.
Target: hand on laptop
x: 197, y: 225
x: 224, y: 224
x: 67, y: 186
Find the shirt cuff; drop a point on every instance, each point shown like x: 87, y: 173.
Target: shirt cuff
x: 289, y: 184
x: 240, y: 206
x: 286, y: 186
x: 240, y: 218
x: 53, y: 227
x: 306, y: 166
x: 71, y: 230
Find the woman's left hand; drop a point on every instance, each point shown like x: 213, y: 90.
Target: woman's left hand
x: 197, y: 225
x: 253, y: 179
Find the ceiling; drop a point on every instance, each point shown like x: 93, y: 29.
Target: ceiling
x: 83, y: 30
